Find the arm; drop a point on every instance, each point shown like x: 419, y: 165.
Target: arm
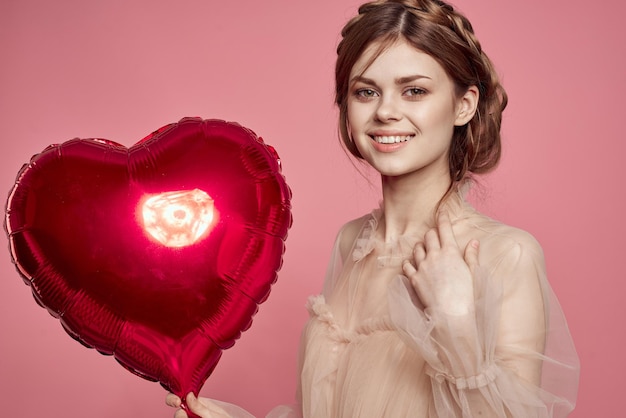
x: 482, y: 332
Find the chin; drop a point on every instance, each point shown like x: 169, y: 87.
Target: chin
x: 393, y: 172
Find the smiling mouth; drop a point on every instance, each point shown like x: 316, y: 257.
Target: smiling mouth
x: 392, y: 139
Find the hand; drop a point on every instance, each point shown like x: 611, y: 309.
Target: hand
x: 202, y: 407
x: 442, y: 274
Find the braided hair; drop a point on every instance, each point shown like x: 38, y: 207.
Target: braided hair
x: 436, y: 28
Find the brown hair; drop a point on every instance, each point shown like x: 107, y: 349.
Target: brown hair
x: 436, y: 28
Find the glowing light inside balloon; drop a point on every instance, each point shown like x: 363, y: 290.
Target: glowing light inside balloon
x: 178, y: 218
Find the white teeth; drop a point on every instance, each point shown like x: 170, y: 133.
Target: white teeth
x: 392, y: 139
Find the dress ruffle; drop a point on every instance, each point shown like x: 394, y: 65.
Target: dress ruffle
x: 318, y: 309
x: 432, y: 373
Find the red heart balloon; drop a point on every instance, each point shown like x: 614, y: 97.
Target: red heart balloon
x: 158, y: 254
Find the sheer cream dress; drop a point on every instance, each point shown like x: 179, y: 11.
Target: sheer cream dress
x: 370, y: 349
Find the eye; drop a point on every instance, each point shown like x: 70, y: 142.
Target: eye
x: 415, y: 91
x: 365, y: 93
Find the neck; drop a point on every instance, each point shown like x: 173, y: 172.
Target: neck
x: 410, y: 204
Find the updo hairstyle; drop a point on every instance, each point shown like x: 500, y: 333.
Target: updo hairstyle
x: 436, y: 28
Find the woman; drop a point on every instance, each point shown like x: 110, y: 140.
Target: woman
x: 429, y: 309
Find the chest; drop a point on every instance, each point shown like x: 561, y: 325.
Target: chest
x: 361, y: 294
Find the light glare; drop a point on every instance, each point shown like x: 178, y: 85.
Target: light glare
x: 178, y: 218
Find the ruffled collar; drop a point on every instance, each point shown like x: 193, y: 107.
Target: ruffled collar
x: 391, y: 253
x: 394, y: 253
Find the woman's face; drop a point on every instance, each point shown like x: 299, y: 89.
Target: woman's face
x: 402, y: 110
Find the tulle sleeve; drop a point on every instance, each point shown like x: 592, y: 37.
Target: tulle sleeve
x: 520, y: 360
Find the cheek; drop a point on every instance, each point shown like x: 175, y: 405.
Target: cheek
x: 357, y: 114
x: 350, y: 117
x: 441, y: 118
x: 352, y: 125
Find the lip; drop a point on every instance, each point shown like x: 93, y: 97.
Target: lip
x: 388, y: 132
x: 396, y: 140
x: 386, y: 148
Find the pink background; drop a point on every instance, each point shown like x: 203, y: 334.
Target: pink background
x: 119, y: 69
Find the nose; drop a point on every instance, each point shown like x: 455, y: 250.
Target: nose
x: 387, y: 110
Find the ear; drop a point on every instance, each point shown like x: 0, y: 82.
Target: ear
x: 466, y: 106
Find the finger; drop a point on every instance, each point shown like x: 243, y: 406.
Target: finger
x: 419, y: 253
x: 172, y: 400
x: 471, y: 254
x: 408, y: 269
x: 181, y: 414
x: 196, y: 406
x: 431, y: 240
x: 444, y: 227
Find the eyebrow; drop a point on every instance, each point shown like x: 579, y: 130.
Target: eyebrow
x: 408, y: 79
x: 399, y: 81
